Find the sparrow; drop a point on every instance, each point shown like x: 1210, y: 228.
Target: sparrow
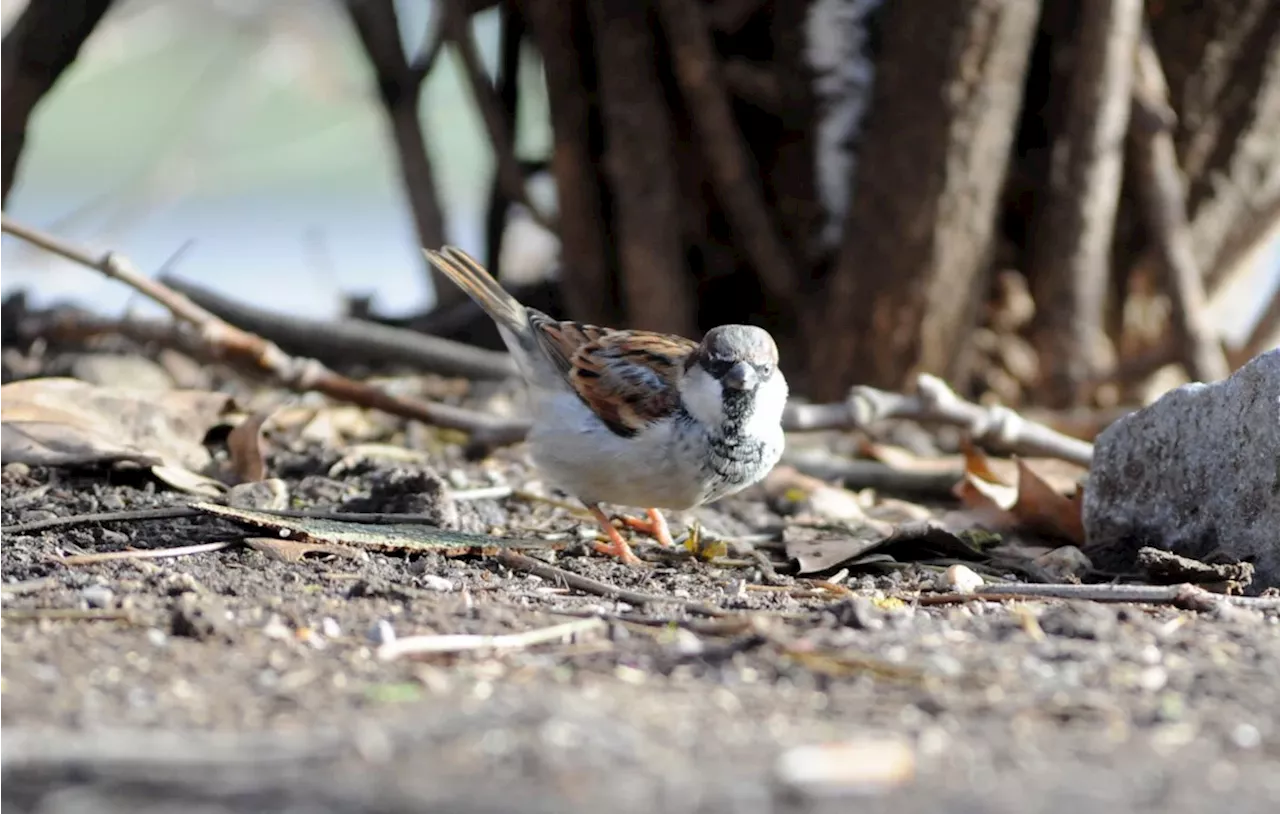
x: 637, y: 418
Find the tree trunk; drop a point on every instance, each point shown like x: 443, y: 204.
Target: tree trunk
x: 1071, y: 240
x: 43, y: 42
x: 912, y: 267
x: 564, y: 39
x: 639, y: 164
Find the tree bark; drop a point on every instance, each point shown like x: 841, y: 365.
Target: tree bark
x: 1071, y: 238
x: 1222, y: 63
x: 639, y: 163
x: 42, y: 44
x: 563, y: 36
x: 912, y: 266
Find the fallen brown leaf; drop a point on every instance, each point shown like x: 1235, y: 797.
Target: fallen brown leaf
x: 67, y: 422
x: 295, y: 551
x: 247, y: 446
x: 1026, y: 503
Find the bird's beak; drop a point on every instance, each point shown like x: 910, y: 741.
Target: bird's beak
x: 741, y: 376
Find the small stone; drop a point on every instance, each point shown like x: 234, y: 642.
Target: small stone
x: 330, y: 628
x: 863, y: 767
x: 17, y: 469
x: 199, y: 618
x: 275, y: 628
x: 962, y: 579
x: 1065, y: 562
x: 1196, y: 471
x: 436, y: 583
x: 381, y: 633
x: 157, y: 637
x: 272, y: 494
x: 1246, y: 736
x: 98, y: 596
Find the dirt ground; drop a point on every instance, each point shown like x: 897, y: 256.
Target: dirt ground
x: 235, y: 681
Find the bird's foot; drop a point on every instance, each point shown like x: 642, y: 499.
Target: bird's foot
x: 656, y: 527
x: 617, y: 546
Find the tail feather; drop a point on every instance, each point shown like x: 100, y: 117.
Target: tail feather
x: 472, y: 278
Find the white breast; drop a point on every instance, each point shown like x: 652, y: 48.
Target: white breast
x: 658, y: 467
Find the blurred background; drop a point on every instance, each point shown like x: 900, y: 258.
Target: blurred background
x: 1070, y: 204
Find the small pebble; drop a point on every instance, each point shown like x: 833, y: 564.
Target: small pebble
x: 1246, y: 736
x: 330, y: 628
x: 98, y: 596
x: 436, y: 583
x: 17, y: 469
x: 962, y: 579
x: 862, y: 767
x: 157, y: 637
x: 381, y: 633
x: 275, y: 628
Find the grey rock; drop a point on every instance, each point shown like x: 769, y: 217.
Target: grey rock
x: 1196, y: 473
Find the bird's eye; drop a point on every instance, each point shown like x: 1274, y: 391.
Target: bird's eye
x: 718, y: 367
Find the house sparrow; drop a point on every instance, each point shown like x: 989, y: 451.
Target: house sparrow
x: 638, y: 418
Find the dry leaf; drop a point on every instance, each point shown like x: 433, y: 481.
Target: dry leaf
x: 67, y: 422
x: 823, y: 548
x: 813, y: 496
x: 1028, y: 504
x: 184, y: 480
x: 295, y: 551
x: 248, y: 448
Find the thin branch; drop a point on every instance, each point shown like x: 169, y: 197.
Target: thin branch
x: 729, y: 161
x: 860, y: 474
x: 147, y: 554
x: 559, y: 576
x: 43, y: 42
x: 509, y: 171
x: 1163, y: 196
x: 252, y: 352
x: 461, y: 642
x: 126, y: 516
x: 399, y: 85
x: 347, y: 340
x: 934, y: 402
x: 1187, y: 596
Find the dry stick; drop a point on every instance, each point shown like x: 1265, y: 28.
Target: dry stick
x: 1185, y: 595
x: 460, y: 642
x: 101, y: 517
x: 1163, y: 196
x: 935, y: 402
x: 529, y: 565
x: 353, y: 340
x: 147, y: 553
x: 254, y: 352
x: 510, y: 174
x: 698, y: 74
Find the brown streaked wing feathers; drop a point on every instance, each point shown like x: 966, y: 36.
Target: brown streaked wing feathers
x: 627, y: 377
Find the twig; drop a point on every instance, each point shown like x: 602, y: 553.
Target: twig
x: 1160, y: 188
x: 1186, y: 596
x: 253, y: 352
x: 27, y: 586
x: 935, y: 402
x: 460, y: 642
x: 399, y: 86
x: 68, y: 614
x: 859, y: 474
x: 529, y: 565
x: 100, y: 517
x: 348, y: 340
x: 707, y: 101
x: 482, y: 493
x: 510, y: 174
x: 147, y: 553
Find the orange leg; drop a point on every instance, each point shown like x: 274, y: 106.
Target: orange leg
x: 656, y: 526
x: 616, y: 546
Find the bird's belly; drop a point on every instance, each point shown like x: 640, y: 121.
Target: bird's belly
x: 657, y: 468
